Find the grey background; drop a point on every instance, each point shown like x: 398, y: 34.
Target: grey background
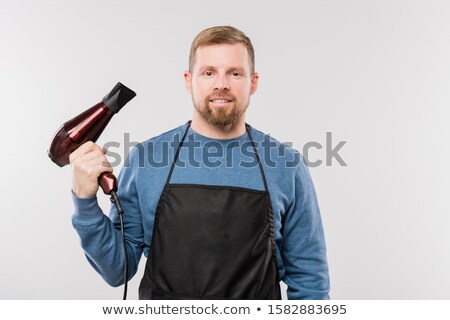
x: 374, y: 73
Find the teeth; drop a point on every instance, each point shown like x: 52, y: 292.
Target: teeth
x: 220, y: 101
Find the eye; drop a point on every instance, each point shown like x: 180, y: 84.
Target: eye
x: 236, y: 74
x: 208, y: 73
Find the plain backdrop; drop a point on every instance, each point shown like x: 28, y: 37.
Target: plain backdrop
x: 375, y: 74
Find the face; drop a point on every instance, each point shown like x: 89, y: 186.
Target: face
x: 221, y: 83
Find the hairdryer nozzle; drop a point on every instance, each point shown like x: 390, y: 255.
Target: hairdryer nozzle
x: 118, y: 97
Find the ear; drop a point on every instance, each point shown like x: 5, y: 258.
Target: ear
x: 254, y: 83
x: 188, y: 81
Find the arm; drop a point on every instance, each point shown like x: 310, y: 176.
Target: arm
x: 100, y: 236
x: 304, y: 250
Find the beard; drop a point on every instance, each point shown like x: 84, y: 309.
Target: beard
x: 221, y: 116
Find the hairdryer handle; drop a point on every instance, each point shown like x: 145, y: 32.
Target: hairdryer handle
x: 108, y: 182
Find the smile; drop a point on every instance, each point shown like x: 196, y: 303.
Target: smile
x: 220, y: 101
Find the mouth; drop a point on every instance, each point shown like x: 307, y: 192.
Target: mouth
x: 220, y: 102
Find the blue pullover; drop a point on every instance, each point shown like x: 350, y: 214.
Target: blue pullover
x: 299, y: 237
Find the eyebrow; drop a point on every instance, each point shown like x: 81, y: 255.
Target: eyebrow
x: 229, y: 69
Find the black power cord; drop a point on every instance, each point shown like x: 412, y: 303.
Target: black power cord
x: 115, y: 200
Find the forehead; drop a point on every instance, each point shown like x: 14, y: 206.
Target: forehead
x: 222, y: 55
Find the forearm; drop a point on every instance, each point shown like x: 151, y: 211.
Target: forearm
x: 307, y: 275
x: 101, y: 241
x: 304, y: 248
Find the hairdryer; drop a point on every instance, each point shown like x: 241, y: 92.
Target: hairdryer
x: 88, y: 126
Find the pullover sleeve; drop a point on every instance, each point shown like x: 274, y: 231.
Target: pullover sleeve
x: 100, y: 235
x: 304, y: 250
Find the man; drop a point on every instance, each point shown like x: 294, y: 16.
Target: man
x: 228, y: 227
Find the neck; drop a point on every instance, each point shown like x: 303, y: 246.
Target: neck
x: 206, y: 129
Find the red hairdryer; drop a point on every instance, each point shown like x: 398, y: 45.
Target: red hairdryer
x: 88, y: 126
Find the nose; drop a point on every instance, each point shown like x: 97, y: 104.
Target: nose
x: 221, y: 82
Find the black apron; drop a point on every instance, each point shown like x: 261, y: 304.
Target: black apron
x: 212, y: 242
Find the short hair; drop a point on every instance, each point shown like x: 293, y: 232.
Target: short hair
x: 218, y: 35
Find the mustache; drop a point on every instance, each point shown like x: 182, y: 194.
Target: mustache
x: 223, y: 96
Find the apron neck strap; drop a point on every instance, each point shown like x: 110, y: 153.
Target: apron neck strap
x: 257, y: 158
x: 175, y: 158
x: 177, y: 153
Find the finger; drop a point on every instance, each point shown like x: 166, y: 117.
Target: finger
x: 84, y: 148
x: 92, y: 154
x: 100, y: 165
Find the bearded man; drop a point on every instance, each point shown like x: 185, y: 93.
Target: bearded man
x: 230, y: 227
